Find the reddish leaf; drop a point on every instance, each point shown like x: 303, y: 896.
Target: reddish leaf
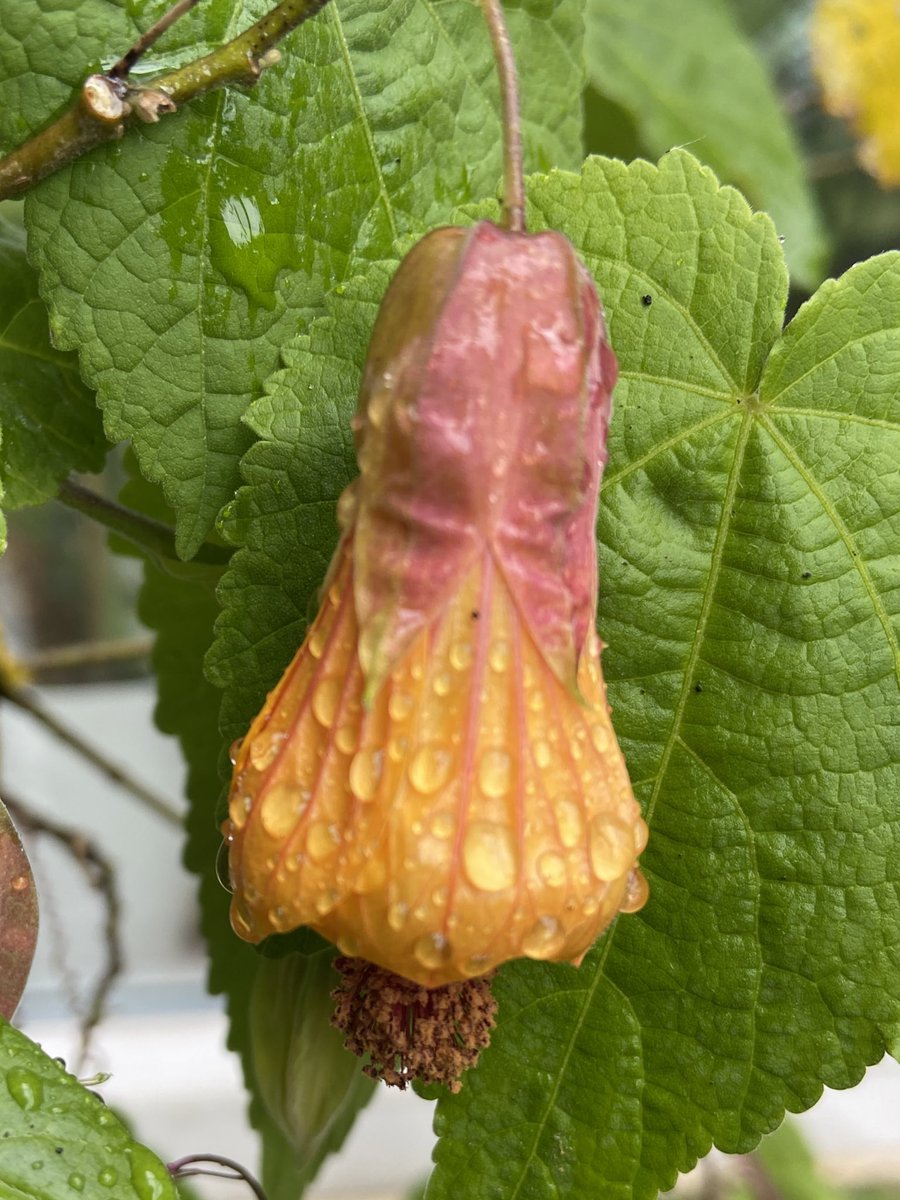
x: 18, y: 916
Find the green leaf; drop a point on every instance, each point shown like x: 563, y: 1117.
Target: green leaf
x: 689, y: 77
x: 749, y: 524
x: 50, y: 423
x: 61, y: 1139
x: 18, y: 916
x: 180, y: 259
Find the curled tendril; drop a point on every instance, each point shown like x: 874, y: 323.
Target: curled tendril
x: 181, y: 1168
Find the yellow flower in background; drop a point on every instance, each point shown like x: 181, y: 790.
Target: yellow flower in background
x: 435, y: 783
x: 856, y: 52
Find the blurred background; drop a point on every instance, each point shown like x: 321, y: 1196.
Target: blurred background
x: 119, y: 944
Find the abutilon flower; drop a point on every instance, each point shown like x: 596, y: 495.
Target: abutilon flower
x: 435, y: 783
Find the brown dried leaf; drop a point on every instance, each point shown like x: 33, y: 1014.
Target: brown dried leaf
x: 18, y: 916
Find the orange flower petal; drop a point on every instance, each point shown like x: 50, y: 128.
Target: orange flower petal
x: 475, y: 812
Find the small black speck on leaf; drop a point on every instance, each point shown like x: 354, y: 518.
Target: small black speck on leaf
x: 647, y: 300
x: 698, y: 687
x: 806, y: 575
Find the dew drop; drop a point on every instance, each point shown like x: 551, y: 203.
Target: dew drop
x: 443, y: 824
x: 542, y: 754
x: 20, y: 883
x: 460, y: 655
x: 234, y: 749
x: 348, y: 945
x: 590, y: 906
x: 316, y: 642
x: 611, y: 847
x: 26, y: 1088
x: 641, y: 835
x: 570, y: 822
x: 326, y: 699
x: 397, y: 914
x: 397, y: 748
x: 371, y: 877
x: 429, y: 767
x: 602, y: 738
x: 494, y: 773
x: 476, y: 964
x: 536, y: 701
x: 442, y: 683
x: 76, y: 1182
x: 108, y: 1177
x: 366, y: 770
x: 346, y: 739
x: 279, y: 918
x: 264, y: 750
x: 544, y: 939
x: 377, y: 408
x: 400, y: 706
x: 439, y: 897
x: 552, y: 868
x: 636, y: 892
x: 321, y: 841
x: 327, y: 902
x: 488, y: 856
x: 278, y: 811
x: 499, y: 656
x: 432, y: 951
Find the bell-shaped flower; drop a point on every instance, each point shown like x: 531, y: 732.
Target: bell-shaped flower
x: 435, y: 783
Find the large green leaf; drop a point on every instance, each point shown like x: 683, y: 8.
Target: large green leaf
x: 180, y: 259
x: 59, y: 1139
x: 50, y: 422
x: 687, y: 75
x: 749, y: 568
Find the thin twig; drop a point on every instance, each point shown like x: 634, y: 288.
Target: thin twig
x: 154, y: 537
x: 146, y: 40
x: 88, y: 654
x: 106, y: 103
x: 513, y: 171
x: 761, y: 1183
x: 182, y: 1167
x: 24, y: 700
x: 101, y: 876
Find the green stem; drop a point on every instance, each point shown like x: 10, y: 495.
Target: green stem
x: 154, y: 537
x: 107, y: 104
x: 513, y: 171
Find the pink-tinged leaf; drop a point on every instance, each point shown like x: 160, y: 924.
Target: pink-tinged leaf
x: 18, y: 916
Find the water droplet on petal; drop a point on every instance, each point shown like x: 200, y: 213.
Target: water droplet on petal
x: 460, y: 655
x: 602, y: 738
x: 76, y: 1182
x: 397, y: 748
x: 442, y: 684
x: 234, y: 749
x: 346, y: 739
x: 641, y: 835
x: 443, y: 824
x: 397, y: 914
x: 371, y: 877
x: 316, y: 644
x: 542, y: 754
x: 327, y: 901
x: 400, y: 706
x: 476, y: 965
x: 432, y: 951
x: 544, y: 939
x: 264, y: 750
x: 326, y: 699
x: 636, y: 892
x: 279, y: 918
x: 365, y: 773
x: 590, y: 905
x: 499, y: 656
x: 536, y: 701
x: 108, y: 1177
x: 494, y: 773
x: 429, y: 767
x: 552, y: 868
x: 611, y: 846
x: 570, y: 822
x: 321, y: 841
x: 488, y: 856
x: 279, y: 810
